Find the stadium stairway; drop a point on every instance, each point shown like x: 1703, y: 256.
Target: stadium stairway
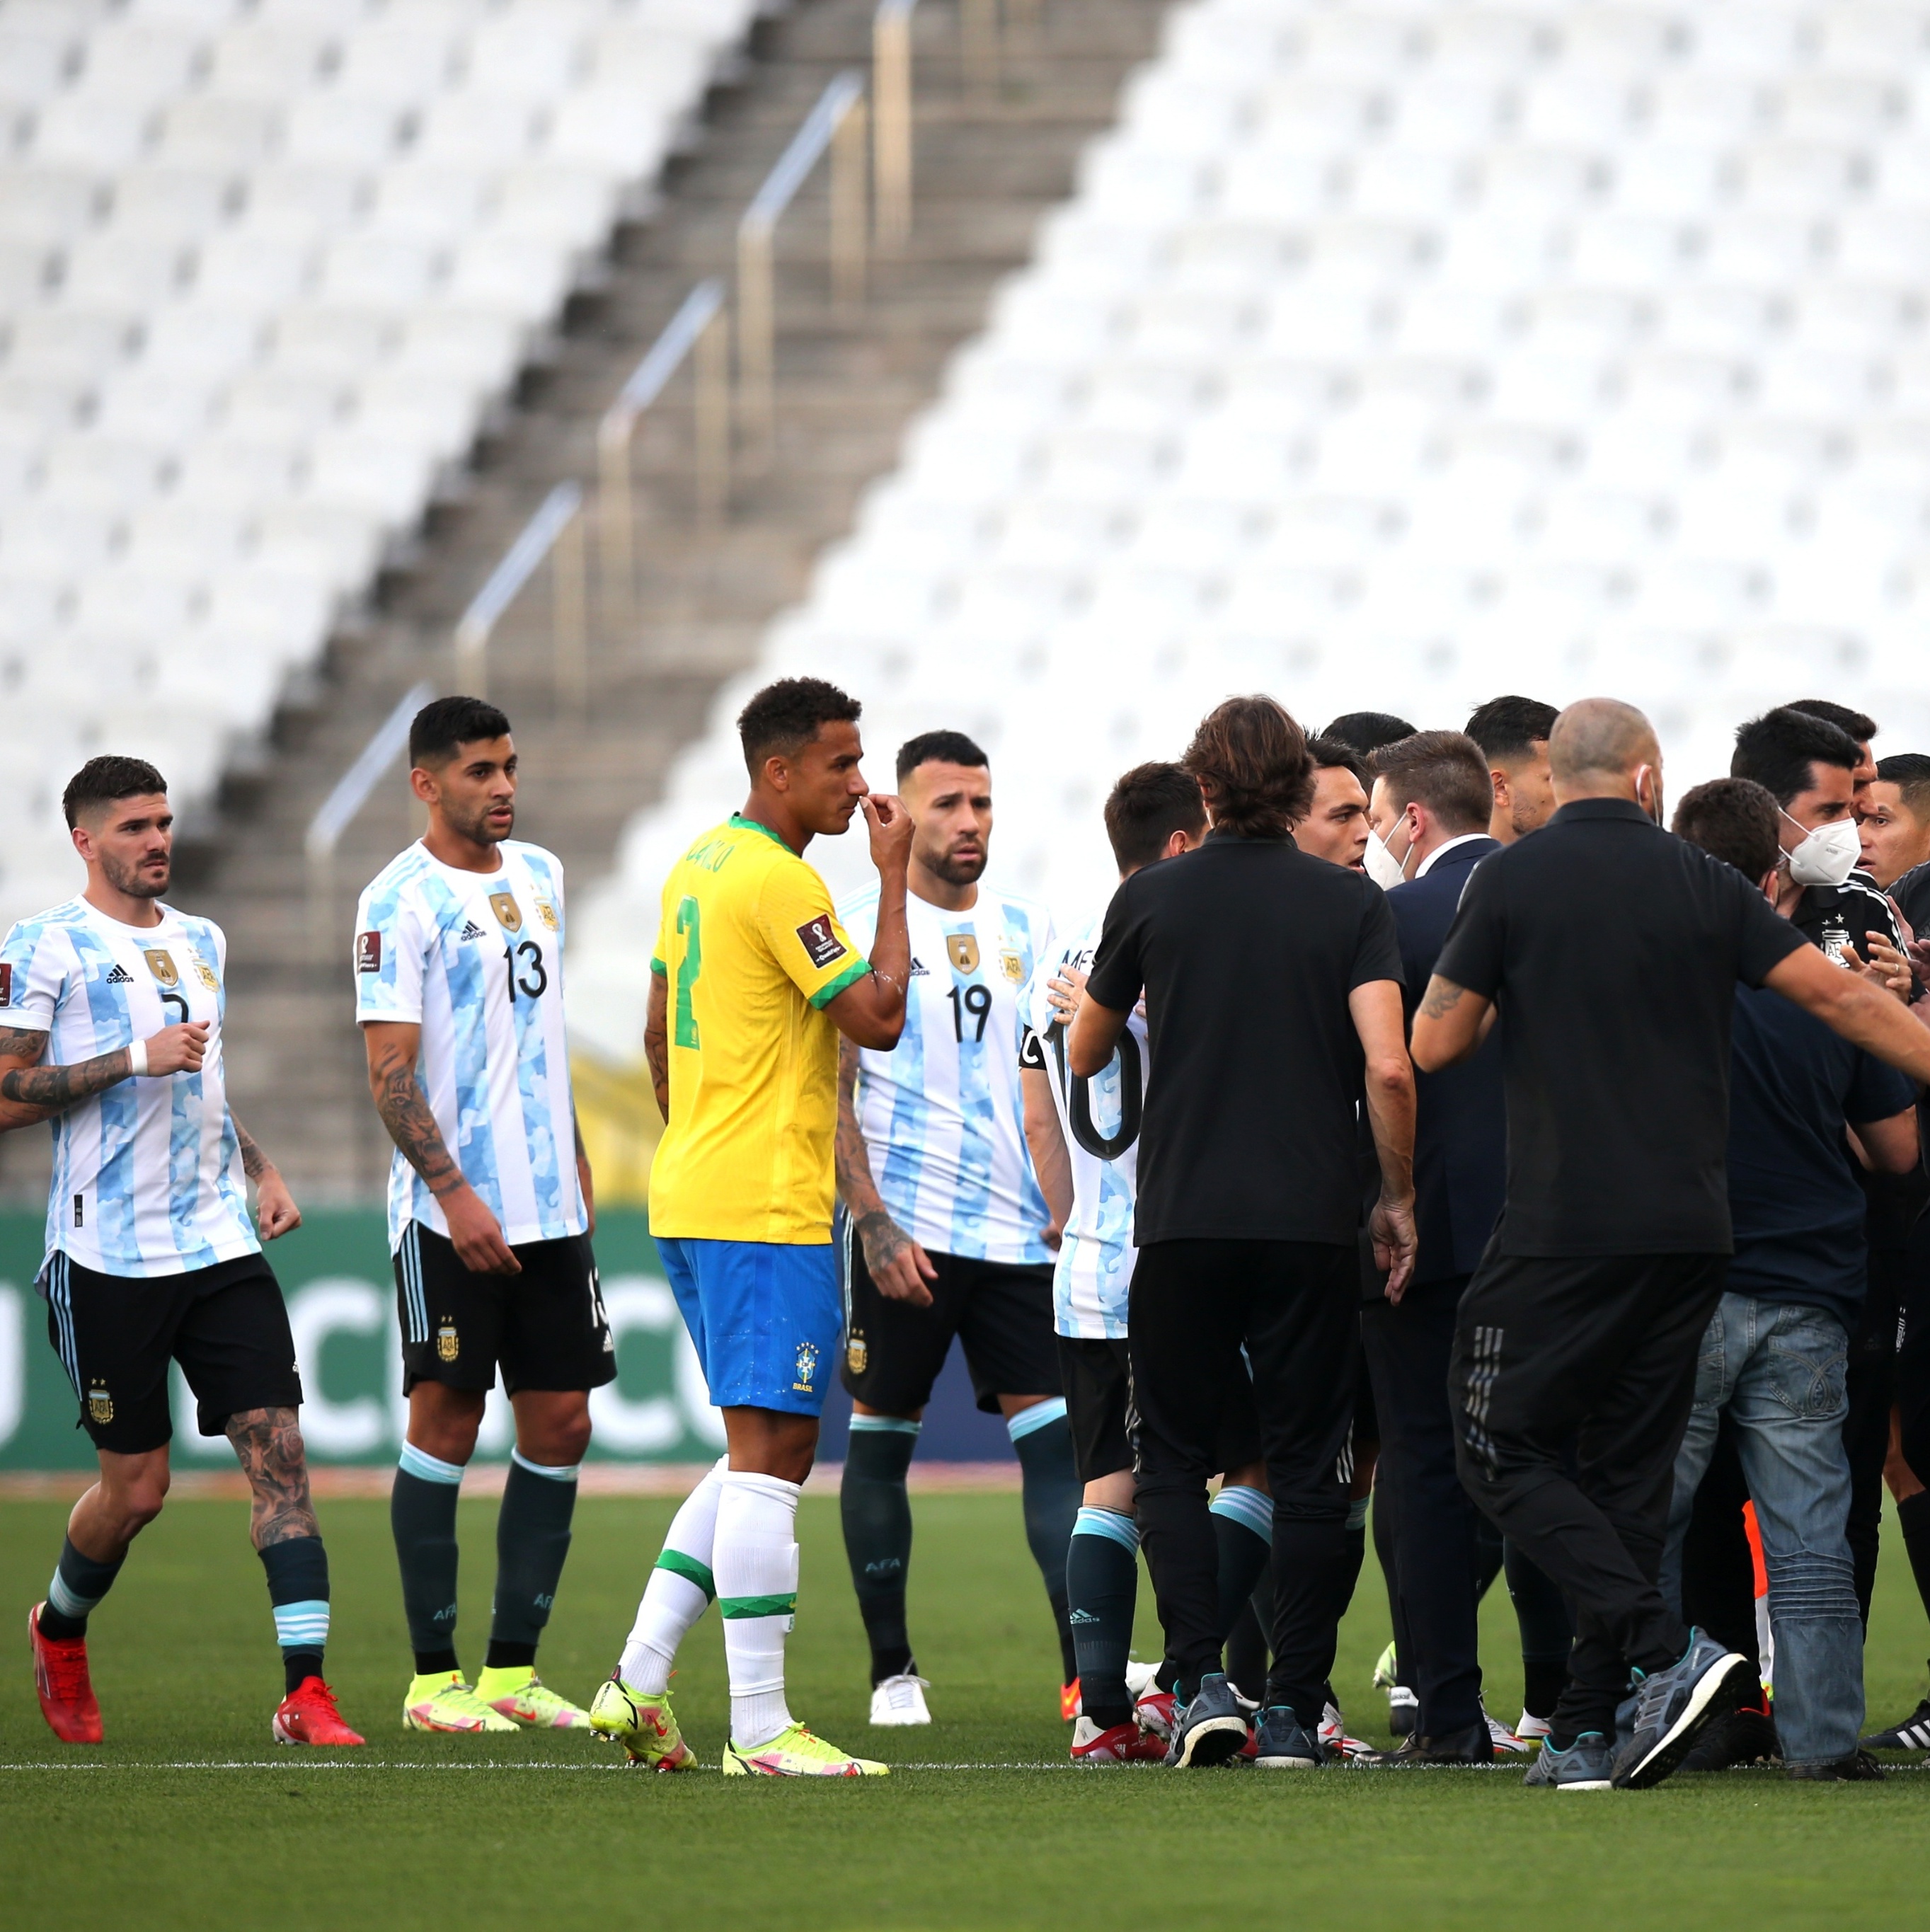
x: 988, y: 163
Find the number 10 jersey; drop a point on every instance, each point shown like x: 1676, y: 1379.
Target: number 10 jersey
x: 476, y: 960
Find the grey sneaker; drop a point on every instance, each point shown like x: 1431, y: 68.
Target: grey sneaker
x: 1210, y: 1730
x: 1584, y: 1766
x: 1674, y: 1707
x: 1284, y: 1743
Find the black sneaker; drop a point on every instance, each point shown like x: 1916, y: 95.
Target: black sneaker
x: 1912, y: 1734
x: 1284, y: 1743
x: 1674, y: 1707
x: 1210, y: 1730
x: 1472, y: 1746
x: 1746, y: 1736
x: 1859, y: 1768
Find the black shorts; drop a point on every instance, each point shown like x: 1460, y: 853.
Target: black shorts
x: 1098, y: 1379
x: 1001, y: 1311
x: 226, y: 1325
x: 544, y: 1327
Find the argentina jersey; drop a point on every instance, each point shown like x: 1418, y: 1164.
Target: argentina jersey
x: 476, y: 960
x: 147, y: 1174
x: 940, y: 1113
x: 1094, y: 1268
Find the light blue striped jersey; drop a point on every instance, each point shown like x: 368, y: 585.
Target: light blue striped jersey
x: 1094, y: 1268
x: 939, y: 1112
x: 147, y: 1174
x: 476, y: 960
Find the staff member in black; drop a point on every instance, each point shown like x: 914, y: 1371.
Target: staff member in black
x: 1272, y: 982
x: 1611, y: 950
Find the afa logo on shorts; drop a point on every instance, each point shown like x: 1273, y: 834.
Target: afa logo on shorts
x: 448, y: 1347
x: 807, y: 1369
x: 857, y: 1352
x: 100, y: 1404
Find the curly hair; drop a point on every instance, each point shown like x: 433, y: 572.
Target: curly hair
x: 1254, y: 767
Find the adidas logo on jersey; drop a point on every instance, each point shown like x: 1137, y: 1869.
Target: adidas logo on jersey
x: 471, y: 930
x: 120, y: 976
x: 919, y: 971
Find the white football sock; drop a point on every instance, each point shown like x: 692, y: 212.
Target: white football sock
x: 680, y: 1589
x: 756, y: 1560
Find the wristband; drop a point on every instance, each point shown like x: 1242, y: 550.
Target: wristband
x: 137, y: 1058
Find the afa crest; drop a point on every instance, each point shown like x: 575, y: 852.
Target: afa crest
x: 547, y: 913
x: 857, y: 1352
x: 1012, y: 966
x: 448, y: 1346
x: 205, y: 974
x: 807, y: 1369
x: 99, y: 1404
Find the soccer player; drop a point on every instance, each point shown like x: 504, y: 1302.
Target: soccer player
x: 111, y: 1009
x: 947, y: 1230
x: 458, y: 973
x: 1894, y: 820
x: 1335, y: 827
x: 1513, y: 735
x: 753, y: 982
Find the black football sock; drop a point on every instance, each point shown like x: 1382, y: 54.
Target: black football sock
x: 1353, y: 1555
x: 1243, y: 1536
x: 1102, y: 1584
x: 79, y: 1584
x: 532, y: 1542
x: 1246, y: 1653
x: 876, y: 1512
x: 422, y: 1517
x: 1912, y: 1518
x: 298, y: 1588
x: 1050, y: 1488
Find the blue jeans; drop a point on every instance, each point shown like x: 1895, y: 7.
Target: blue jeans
x: 1778, y: 1368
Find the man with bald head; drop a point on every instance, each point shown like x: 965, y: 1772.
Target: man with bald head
x: 1612, y: 950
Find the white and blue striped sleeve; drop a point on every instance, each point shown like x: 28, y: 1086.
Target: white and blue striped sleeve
x: 33, y: 975
x: 391, y: 948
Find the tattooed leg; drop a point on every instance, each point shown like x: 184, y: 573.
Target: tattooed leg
x: 268, y: 1442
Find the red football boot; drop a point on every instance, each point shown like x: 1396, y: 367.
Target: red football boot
x: 1156, y: 1713
x: 1069, y: 1701
x: 307, y: 1716
x: 60, y: 1676
x: 1123, y: 1744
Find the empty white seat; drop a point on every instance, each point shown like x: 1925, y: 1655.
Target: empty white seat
x: 249, y: 272
x: 187, y: 540
x: 46, y: 204
x: 482, y: 347
x: 282, y: 615
x: 72, y: 344
x: 523, y: 275
x: 524, y: 56
x: 552, y: 200
x: 399, y: 65
x: 268, y: 60
x: 1658, y: 178
x: 341, y: 129
x: 417, y: 410
x: 140, y: 62
x: 172, y: 408
x: 607, y: 126
x: 359, y: 471
x: 55, y: 542
x: 48, y: 403
x: 209, y: 337
x: 281, y: 406
x: 1776, y: 248
x: 110, y: 473
x: 478, y: 129
x: 1854, y: 107
x: 373, y: 269
x: 84, y: 129
x: 1804, y: 178
x: 114, y: 269
x: 238, y: 473
x: 34, y: 64
x: 329, y: 339
x: 429, y: 201
x: 126, y: 600
x: 330, y: 543
x: 218, y: 130
x: 165, y: 202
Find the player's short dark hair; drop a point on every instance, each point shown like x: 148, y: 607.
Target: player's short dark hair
x: 1507, y: 728
x: 1252, y: 760
x: 1733, y: 820
x: 1330, y: 754
x: 444, y: 725
x: 1859, y: 724
x: 1779, y: 749
x: 1368, y: 731
x: 783, y: 718
x: 1146, y: 807
x: 1445, y: 771
x: 1909, y: 772
x: 105, y: 782
x: 938, y: 748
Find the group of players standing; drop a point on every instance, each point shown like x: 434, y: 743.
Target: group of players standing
x: 964, y: 1095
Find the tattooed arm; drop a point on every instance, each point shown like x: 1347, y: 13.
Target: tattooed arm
x: 33, y: 1092
x: 393, y: 1046
x: 1451, y: 1024
x: 275, y: 1211
x: 895, y: 1262
x: 656, y: 1042
x: 268, y: 1442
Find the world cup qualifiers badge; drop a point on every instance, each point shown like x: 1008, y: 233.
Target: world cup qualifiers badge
x: 807, y: 1369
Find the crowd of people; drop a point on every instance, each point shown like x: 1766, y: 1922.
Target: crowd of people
x: 1434, y: 1132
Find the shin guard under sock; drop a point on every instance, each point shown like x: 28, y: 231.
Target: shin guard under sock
x: 532, y: 1541
x: 680, y: 1590
x: 422, y: 1517
x: 1103, y: 1586
x: 298, y: 1588
x: 876, y: 1511
x: 1049, y: 1479
x: 755, y: 1558
x: 79, y: 1584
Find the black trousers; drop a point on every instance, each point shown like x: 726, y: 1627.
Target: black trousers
x: 1435, y: 1524
x: 1871, y: 1384
x: 1291, y: 1304
x: 1913, y: 1360
x: 1599, y: 1353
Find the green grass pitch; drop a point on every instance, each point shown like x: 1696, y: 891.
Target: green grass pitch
x: 189, y: 1817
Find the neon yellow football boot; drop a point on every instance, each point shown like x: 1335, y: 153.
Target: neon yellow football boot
x: 442, y: 1702
x: 796, y: 1753
x: 642, y: 1723
x: 516, y: 1692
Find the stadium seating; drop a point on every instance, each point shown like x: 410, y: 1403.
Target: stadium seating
x: 261, y: 268
x: 1396, y: 353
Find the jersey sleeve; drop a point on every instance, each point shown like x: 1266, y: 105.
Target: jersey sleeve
x: 1118, y: 976
x: 1764, y: 939
x: 391, y: 948
x: 1377, y: 953
x: 1031, y: 1050
x: 1877, y: 1092
x: 33, y: 975
x: 1471, y: 955
x: 800, y: 926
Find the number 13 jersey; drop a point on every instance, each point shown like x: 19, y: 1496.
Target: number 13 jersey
x: 940, y: 1112
x: 476, y: 960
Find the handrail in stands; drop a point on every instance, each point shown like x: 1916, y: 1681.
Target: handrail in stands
x: 554, y: 526
x: 344, y: 804
x: 891, y: 121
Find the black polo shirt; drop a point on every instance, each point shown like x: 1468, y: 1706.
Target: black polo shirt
x: 1247, y: 950
x: 1613, y: 950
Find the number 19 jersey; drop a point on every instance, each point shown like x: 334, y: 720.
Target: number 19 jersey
x: 940, y: 1112
x: 476, y: 960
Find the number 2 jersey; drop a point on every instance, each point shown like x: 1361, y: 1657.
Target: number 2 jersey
x: 1094, y: 1268
x: 147, y: 1174
x: 940, y: 1113
x: 476, y: 960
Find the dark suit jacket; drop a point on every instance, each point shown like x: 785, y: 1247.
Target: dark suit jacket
x: 1460, y: 1131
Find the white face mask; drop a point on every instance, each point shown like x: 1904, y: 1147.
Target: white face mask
x: 1827, y: 855
x: 1386, y: 871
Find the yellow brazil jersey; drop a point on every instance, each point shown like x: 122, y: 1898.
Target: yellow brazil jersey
x: 753, y: 953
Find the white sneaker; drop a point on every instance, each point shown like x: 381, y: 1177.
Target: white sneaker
x: 1333, y: 1734
x: 1532, y: 1729
x: 900, y: 1700
x: 1139, y: 1677
x: 1505, y: 1742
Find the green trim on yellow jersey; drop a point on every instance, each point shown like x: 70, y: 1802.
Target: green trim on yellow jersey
x: 850, y: 976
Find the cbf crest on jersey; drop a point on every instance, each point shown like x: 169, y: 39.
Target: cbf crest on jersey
x: 161, y: 964
x: 963, y: 949
x: 508, y: 913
